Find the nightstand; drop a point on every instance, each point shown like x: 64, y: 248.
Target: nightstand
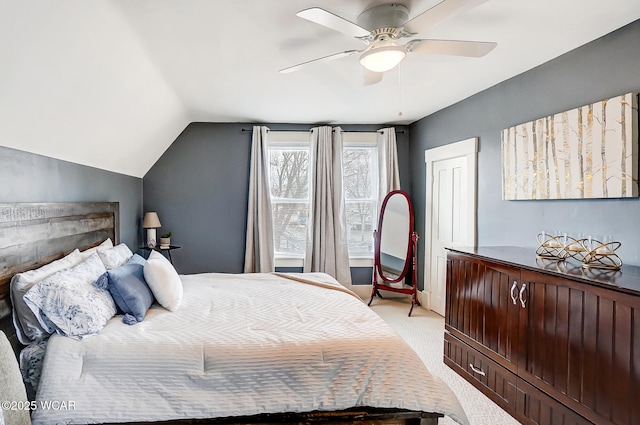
x: 162, y: 250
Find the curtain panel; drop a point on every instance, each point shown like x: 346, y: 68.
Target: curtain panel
x: 388, y: 170
x: 259, y: 249
x: 387, y: 163
x: 327, y: 248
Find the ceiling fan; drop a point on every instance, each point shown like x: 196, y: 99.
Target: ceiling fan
x: 380, y: 28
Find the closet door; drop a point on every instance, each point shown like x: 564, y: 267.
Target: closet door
x: 451, y: 211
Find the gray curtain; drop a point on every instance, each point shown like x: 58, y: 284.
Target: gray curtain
x: 387, y: 168
x: 387, y: 163
x: 327, y: 247
x: 259, y: 251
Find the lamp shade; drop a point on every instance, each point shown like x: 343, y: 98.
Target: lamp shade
x: 384, y: 58
x: 151, y: 221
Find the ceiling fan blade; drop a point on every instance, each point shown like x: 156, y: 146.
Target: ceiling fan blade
x: 371, y: 77
x: 473, y: 49
x: 438, y: 13
x: 335, y: 22
x: 322, y: 59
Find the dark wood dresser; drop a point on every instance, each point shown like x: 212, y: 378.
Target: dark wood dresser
x: 549, y: 341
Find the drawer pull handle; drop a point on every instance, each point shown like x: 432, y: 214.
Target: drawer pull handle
x: 476, y: 370
x: 523, y: 300
x: 514, y: 293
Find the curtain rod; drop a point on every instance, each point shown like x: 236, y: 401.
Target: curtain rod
x: 365, y: 131
x: 347, y: 131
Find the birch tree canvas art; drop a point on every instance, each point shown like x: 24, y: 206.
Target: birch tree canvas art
x: 588, y: 152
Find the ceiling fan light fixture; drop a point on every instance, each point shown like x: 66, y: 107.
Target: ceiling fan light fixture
x: 381, y: 59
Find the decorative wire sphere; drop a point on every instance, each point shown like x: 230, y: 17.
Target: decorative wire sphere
x: 591, y: 252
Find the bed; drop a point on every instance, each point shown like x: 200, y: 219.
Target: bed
x: 245, y: 348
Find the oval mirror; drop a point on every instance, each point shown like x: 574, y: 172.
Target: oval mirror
x: 393, y: 253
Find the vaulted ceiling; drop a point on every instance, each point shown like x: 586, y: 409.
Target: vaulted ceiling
x: 112, y: 83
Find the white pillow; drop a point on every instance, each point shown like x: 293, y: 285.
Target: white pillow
x: 28, y: 328
x: 104, y: 245
x: 115, y: 257
x: 163, y: 280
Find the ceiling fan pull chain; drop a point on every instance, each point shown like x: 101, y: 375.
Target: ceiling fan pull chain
x: 399, y: 93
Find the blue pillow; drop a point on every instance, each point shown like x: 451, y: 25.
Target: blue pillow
x: 103, y: 280
x: 129, y: 290
x: 137, y: 259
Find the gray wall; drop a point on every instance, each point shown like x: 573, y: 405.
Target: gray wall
x: 26, y: 177
x: 600, y: 70
x: 199, y: 189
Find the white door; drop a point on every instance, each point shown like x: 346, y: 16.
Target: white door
x: 450, y: 212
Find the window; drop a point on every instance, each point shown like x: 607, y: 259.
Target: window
x: 289, y: 169
x: 360, y: 176
x: 290, y: 192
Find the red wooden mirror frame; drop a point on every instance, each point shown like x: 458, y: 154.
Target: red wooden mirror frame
x: 410, y: 263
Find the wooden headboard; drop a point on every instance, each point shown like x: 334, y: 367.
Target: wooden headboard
x: 34, y: 234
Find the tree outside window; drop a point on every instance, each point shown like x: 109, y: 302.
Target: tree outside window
x: 360, y: 202
x: 289, y: 179
x: 290, y: 194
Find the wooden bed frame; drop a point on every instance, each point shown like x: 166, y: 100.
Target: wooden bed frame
x: 34, y: 234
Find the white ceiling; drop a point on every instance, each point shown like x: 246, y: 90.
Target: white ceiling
x: 112, y: 83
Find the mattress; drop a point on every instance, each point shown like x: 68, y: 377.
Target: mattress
x: 239, y: 345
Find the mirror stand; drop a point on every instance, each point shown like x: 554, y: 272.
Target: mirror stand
x: 396, y: 248
x: 405, y: 289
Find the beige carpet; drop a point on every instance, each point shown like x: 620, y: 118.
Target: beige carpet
x: 424, y: 332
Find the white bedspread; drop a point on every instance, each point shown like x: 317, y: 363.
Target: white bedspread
x: 239, y: 345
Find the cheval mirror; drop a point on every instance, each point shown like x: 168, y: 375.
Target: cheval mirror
x: 396, y: 245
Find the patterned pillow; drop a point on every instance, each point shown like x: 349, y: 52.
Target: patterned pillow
x: 70, y: 302
x: 31, y: 358
x: 27, y: 326
x: 116, y: 256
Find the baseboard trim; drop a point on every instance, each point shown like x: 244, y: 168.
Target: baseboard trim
x: 364, y: 292
x: 424, y: 299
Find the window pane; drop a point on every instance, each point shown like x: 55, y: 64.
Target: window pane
x: 358, y: 168
x: 360, y: 217
x: 289, y: 176
x: 289, y: 227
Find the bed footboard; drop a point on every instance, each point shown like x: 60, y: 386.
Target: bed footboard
x: 356, y: 416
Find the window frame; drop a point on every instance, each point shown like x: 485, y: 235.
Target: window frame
x: 289, y: 140
x: 279, y: 140
x: 369, y: 141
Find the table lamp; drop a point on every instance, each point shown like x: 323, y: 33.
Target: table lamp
x: 151, y: 222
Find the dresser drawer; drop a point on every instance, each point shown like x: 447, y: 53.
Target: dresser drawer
x: 493, y: 380
x: 536, y: 408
